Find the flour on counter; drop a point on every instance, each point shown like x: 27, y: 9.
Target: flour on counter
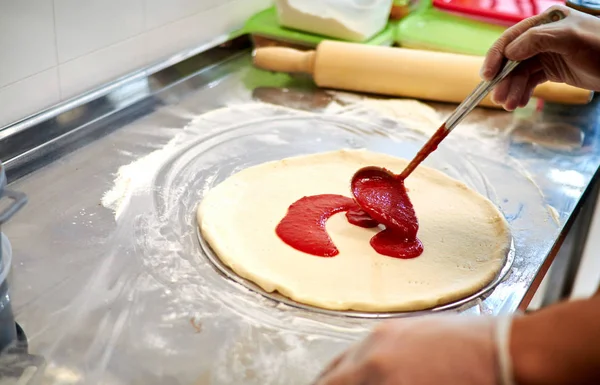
x: 554, y: 214
x: 138, y: 175
x: 415, y: 115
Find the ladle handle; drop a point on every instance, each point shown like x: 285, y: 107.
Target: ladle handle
x: 484, y: 88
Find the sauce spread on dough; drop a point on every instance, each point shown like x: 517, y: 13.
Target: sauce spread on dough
x: 303, y: 227
x: 377, y: 201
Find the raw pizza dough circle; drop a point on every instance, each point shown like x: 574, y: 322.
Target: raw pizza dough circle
x: 465, y: 237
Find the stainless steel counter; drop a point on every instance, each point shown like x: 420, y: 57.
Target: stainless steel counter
x: 124, y: 302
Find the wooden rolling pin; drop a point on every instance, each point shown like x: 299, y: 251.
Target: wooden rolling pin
x: 409, y: 73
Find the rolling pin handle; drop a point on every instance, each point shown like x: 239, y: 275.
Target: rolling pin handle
x: 281, y: 59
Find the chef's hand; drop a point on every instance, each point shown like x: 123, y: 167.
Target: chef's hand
x: 451, y: 350
x: 565, y: 51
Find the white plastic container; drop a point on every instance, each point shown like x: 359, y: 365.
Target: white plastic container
x: 351, y: 20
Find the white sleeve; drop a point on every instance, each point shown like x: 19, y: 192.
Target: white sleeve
x: 502, y: 337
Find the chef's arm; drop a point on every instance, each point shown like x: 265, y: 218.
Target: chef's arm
x: 558, y: 345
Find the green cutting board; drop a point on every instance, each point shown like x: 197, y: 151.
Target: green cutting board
x: 431, y: 29
x: 266, y: 24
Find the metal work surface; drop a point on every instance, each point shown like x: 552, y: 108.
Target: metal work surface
x: 133, y: 300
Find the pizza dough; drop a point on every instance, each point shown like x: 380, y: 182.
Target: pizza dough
x: 466, y: 239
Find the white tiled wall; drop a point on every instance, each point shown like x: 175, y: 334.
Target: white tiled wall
x: 52, y: 50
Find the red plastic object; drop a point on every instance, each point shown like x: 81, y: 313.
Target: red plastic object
x: 503, y: 12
